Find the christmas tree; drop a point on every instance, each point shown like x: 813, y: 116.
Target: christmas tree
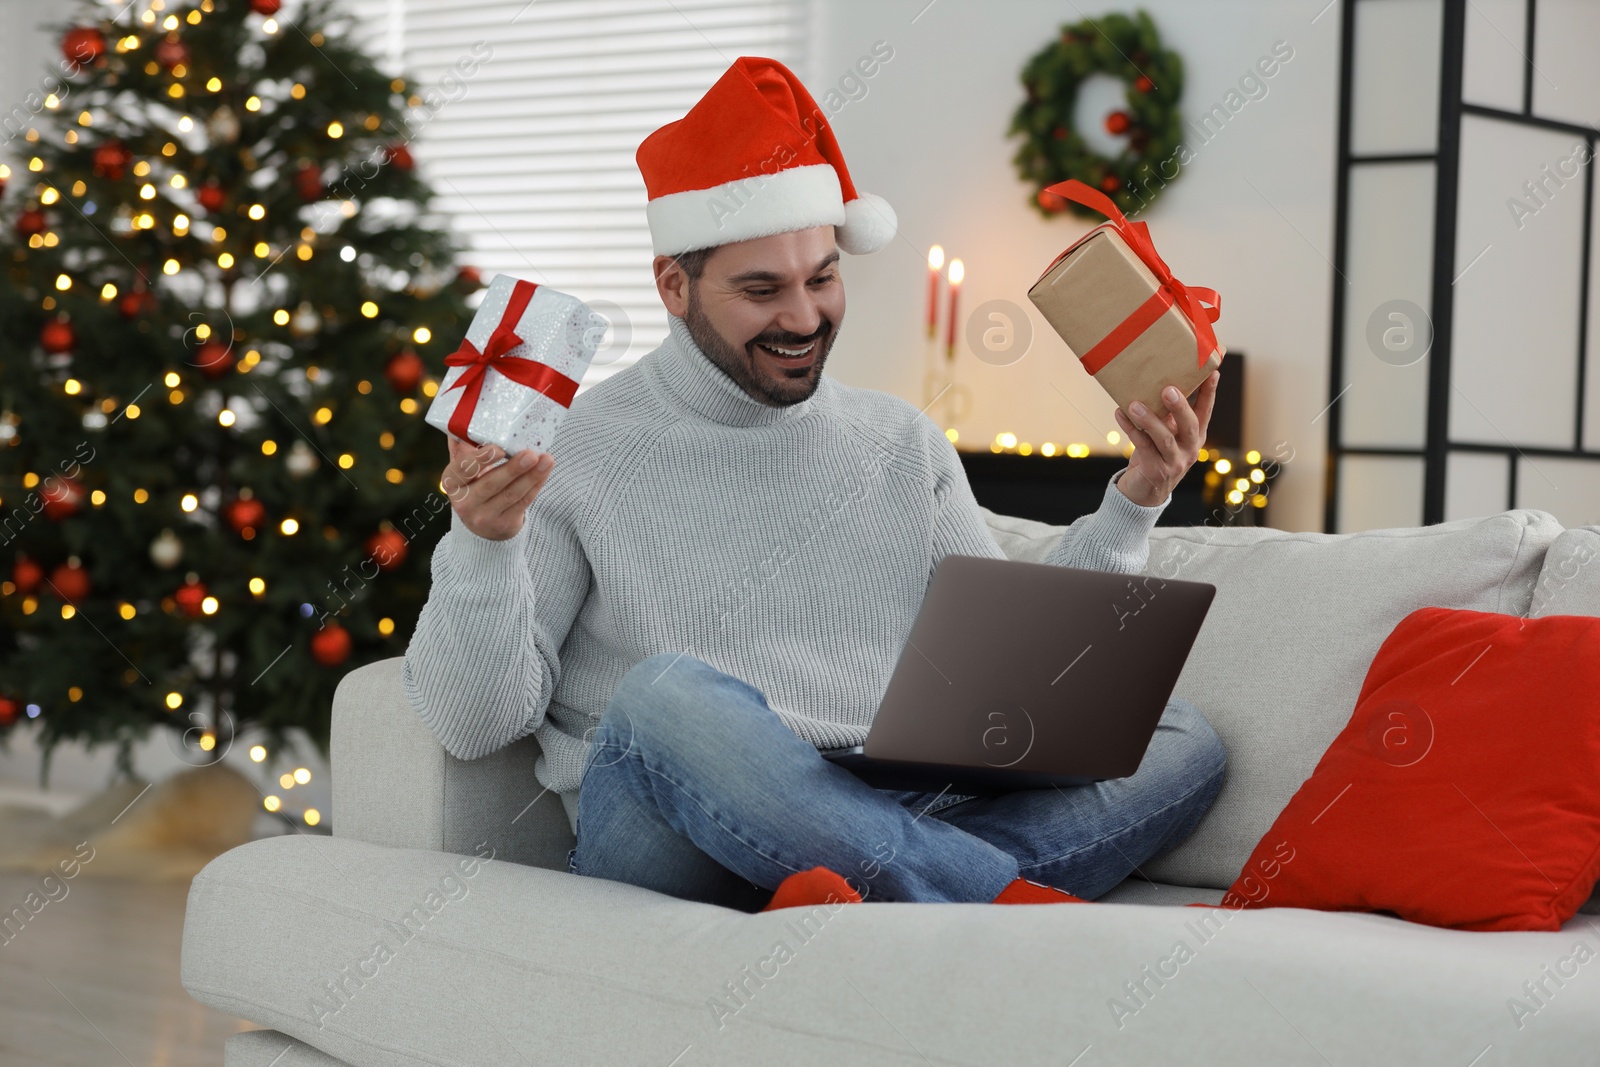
x: 226, y: 306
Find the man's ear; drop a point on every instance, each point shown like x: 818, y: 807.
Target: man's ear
x: 672, y: 283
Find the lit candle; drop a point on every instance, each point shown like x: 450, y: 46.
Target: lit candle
x: 935, y: 261
x: 957, y: 272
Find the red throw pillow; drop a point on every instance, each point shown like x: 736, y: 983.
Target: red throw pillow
x: 1465, y: 789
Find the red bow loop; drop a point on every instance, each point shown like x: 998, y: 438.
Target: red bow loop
x: 1192, y: 302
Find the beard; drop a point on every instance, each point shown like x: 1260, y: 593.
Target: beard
x: 778, y: 386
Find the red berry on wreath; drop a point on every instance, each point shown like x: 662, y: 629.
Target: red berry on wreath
x: 1118, y: 122
x: 210, y: 196
x: 214, y: 359
x: 70, y: 582
x: 30, y: 221
x: 57, y: 336
x: 63, y: 499
x: 82, y: 44
x: 245, y: 513
x: 191, y: 596
x: 26, y: 575
x: 1110, y: 183
x: 404, y: 370
x: 387, y: 549
x: 110, y: 158
x: 330, y: 645
x: 172, y: 53
x: 1058, y: 133
x: 265, y: 7
x: 1143, y: 84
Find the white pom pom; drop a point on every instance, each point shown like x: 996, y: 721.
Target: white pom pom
x: 869, y: 224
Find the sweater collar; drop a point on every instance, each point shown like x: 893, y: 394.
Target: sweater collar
x: 687, y: 375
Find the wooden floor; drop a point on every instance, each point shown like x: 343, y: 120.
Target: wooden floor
x: 93, y: 980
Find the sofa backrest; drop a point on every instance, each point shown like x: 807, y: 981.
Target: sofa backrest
x: 1296, y: 622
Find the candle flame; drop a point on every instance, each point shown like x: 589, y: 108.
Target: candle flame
x: 935, y: 257
x: 957, y: 272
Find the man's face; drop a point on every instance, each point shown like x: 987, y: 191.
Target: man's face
x: 756, y: 302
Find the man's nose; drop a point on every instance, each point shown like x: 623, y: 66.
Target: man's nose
x: 800, y: 315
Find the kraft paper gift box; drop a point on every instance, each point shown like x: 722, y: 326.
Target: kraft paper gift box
x: 1131, y: 324
x: 514, y: 376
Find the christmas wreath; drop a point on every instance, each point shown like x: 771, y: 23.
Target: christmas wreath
x: 1053, y: 151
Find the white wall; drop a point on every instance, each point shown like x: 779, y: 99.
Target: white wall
x: 1252, y: 216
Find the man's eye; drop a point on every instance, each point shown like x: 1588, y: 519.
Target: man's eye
x: 824, y: 279
x: 761, y: 292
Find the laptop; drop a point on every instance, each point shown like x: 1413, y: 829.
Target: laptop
x: 1024, y: 675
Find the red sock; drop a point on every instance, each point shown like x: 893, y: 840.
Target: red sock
x: 816, y: 886
x: 1022, y: 891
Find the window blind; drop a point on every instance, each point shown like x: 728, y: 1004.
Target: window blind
x: 532, y: 153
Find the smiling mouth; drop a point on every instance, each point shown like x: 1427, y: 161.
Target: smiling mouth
x: 786, y: 352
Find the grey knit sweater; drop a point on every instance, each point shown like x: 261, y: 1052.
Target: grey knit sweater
x: 788, y: 546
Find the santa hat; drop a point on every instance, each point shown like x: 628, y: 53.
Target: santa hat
x: 756, y: 156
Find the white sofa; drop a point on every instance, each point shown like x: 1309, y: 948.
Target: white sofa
x: 390, y: 943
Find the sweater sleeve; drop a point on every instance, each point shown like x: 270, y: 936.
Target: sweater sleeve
x: 1115, y: 537
x: 483, y: 661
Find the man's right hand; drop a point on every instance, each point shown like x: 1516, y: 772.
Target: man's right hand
x: 493, y: 503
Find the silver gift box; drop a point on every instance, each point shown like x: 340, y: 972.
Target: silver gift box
x: 556, y: 329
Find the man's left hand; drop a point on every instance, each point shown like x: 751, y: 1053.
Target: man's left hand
x: 1165, y: 447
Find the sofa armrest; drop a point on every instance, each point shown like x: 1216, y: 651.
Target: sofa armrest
x: 394, y: 784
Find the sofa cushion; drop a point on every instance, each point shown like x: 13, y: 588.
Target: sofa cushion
x: 1464, y: 790
x: 519, y: 965
x: 1294, y: 626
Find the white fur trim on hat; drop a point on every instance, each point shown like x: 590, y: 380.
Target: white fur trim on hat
x: 795, y: 198
x: 869, y: 224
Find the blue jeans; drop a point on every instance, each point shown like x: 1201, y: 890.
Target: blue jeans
x: 695, y: 788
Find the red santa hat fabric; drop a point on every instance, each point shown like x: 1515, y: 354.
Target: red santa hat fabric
x: 755, y: 156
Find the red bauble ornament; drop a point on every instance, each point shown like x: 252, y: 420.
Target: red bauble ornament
x: 110, y: 158
x: 1051, y: 202
x: 62, y: 497
x: 172, y: 52
x: 9, y: 710
x: 83, y: 44
x: 1110, y: 183
x: 399, y: 156
x: 387, y: 549
x: 136, y: 302
x: 1118, y: 122
x: 27, y: 575
x: 308, y: 182
x: 214, y: 359
x: 57, y: 336
x: 29, y: 222
x: 210, y: 196
x: 190, y: 595
x: 1143, y: 84
x: 404, y: 370
x: 265, y: 7
x: 245, y: 513
x: 70, y: 582
x: 330, y: 646
x: 470, y: 276
x: 1059, y: 133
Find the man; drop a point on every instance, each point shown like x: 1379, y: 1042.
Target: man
x: 712, y: 573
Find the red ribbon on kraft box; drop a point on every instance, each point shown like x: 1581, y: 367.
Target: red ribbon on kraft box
x: 1191, y: 301
x: 535, y: 375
